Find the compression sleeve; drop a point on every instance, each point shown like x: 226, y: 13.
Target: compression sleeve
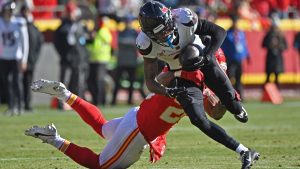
x: 216, y: 33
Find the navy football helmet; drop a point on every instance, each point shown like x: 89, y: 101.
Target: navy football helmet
x: 156, y: 22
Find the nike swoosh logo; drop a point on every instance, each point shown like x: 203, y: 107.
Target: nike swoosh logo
x: 249, y: 159
x: 41, y: 134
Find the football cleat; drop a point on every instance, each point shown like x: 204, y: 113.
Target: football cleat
x: 53, y: 88
x: 248, y: 158
x: 47, y: 134
x: 243, y: 116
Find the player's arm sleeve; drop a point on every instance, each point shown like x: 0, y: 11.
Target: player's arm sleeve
x: 25, y: 43
x: 144, y: 45
x: 186, y: 17
x: 216, y: 33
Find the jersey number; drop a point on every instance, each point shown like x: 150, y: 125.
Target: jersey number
x: 172, y: 115
x: 8, y: 39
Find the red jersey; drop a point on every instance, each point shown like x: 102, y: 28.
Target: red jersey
x: 156, y: 116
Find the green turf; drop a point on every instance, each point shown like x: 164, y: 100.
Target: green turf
x: 273, y: 130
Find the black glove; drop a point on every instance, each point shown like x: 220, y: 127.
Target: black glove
x: 194, y: 64
x: 176, y: 91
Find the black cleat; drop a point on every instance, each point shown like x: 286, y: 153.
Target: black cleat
x: 243, y: 116
x: 248, y: 158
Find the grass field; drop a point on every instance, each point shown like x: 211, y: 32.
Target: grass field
x: 273, y: 130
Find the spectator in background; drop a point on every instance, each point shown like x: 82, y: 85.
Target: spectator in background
x: 275, y: 43
x: 245, y: 11
x: 118, y: 9
x: 108, y: 7
x: 206, y: 13
x: 263, y: 7
x: 70, y: 41
x: 236, y: 50
x: 13, y: 56
x: 297, y: 42
x: 44, y: 9
x: 100, y: 54
x: 127, y: 59
x: 36, y: 40
x: 283, y: 6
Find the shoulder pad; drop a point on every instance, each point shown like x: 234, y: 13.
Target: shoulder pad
x: 185, y: 16
x: 144, y: 44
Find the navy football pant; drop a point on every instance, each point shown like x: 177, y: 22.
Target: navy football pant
x: 217, y: 81
x: 193, y: 107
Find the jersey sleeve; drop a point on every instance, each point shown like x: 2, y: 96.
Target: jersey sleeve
x: 144, y: 45
x: 186, y: 17
x: 216, y: 33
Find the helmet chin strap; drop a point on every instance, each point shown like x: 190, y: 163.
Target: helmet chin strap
x: 169, y: 40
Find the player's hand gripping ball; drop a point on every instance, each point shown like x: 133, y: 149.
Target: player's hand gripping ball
x: 212, y: 105
x: 191, y: 57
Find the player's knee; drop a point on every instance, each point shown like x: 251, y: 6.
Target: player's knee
x: 234, y: 106
x: 201, y: 122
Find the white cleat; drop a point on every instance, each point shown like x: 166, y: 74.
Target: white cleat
x: 53, y: 88
x: 47, y: 134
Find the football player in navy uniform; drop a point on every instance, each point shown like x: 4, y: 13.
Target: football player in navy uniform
x: 165, y: 35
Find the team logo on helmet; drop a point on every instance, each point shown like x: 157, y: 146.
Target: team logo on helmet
x: 164, y: 9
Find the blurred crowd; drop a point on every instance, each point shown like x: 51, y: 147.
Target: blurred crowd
x: 93, y: 57
x: 247, y: 9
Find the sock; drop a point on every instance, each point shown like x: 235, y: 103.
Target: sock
x: 81, y: 155
x: 241, y: 148
x: 88, y: 113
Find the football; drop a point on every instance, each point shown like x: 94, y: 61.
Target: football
x: 213, y: 106
x: 190, y: 54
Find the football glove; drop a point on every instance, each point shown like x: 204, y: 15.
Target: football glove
x: 176, y: 91
x: 195, y: 63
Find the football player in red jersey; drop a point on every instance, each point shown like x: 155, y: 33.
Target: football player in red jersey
x: 128, y: 136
